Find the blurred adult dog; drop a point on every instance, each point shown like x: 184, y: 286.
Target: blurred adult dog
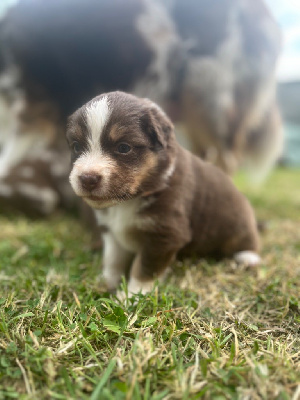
x: 209, y: 64
x: 153, y: 199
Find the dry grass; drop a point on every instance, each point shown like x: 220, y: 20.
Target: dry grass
x: 212, y: 331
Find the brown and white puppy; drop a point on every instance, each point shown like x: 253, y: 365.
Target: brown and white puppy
x: 154, y: 199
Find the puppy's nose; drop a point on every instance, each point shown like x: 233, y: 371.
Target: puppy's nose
x: 89, y: 181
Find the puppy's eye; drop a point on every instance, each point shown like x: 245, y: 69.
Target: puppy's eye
x: 76, y: 147
x: 124, y: 148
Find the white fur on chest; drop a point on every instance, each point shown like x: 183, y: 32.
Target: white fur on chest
x: 122, y: 218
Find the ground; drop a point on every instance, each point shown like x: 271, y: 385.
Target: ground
x: 211, y: 331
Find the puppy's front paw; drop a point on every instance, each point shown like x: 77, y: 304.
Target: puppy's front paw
x: 135, y: 286
x: 247, y: 258
x: 121, y: 295
x: 112, y: 280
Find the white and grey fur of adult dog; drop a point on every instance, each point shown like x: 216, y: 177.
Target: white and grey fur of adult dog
x: 209, y: 65
x: 153, y: 199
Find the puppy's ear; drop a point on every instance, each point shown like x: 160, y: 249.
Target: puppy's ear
x: 157, y: 126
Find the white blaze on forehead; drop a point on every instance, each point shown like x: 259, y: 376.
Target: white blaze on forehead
x: 97, y: 115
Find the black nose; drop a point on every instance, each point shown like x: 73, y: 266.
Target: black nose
x: 89, y: 181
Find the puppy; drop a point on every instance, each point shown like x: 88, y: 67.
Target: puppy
x: 153, y: 199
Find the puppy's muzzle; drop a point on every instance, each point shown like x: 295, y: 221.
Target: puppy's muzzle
x: 89, y: 181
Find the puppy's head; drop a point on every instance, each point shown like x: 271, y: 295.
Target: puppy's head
x: 122, y: 147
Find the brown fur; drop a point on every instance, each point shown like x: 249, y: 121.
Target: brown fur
x: 185, y: 206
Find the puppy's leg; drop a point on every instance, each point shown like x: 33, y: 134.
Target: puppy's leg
x: 146, y: 268
x: 248, y: 258
x: 116, y: 260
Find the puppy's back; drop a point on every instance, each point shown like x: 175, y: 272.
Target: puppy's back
x: 222, y: 220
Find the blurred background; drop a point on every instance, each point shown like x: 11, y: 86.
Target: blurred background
x: 227, y: 73
x: 287, y: 14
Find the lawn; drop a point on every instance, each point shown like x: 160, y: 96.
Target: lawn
x: 211, y: 331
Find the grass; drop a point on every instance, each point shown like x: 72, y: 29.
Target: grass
x: 212, y: 331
